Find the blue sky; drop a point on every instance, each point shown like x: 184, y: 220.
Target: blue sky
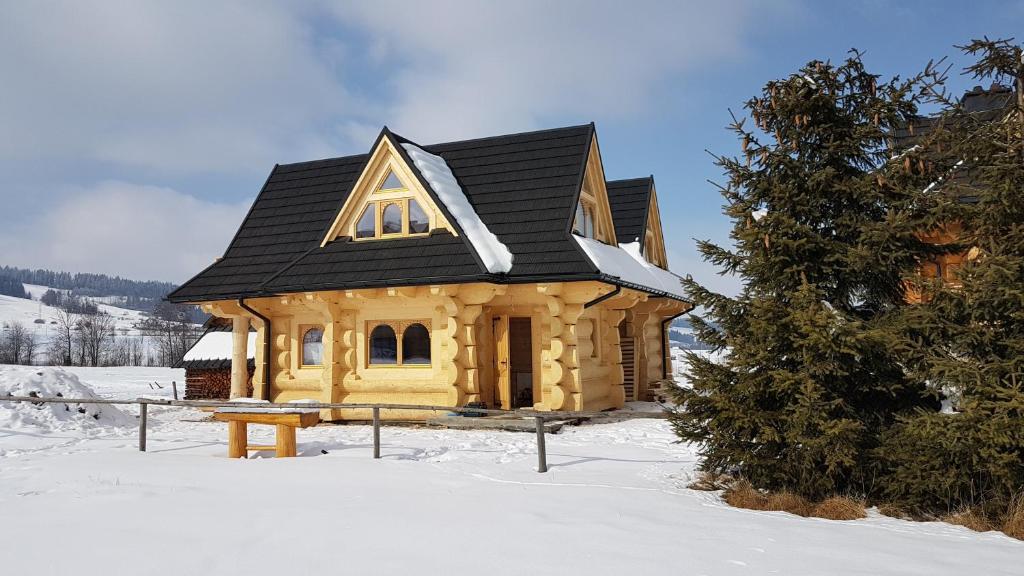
x: 135, y: 134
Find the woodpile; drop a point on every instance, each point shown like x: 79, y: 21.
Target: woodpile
x: 211, y: 383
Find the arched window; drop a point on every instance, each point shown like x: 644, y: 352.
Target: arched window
x: 383, y: 345
x: 313, y: 347
x: 391, y: 219
x: 416, y: 345
x: 418, y: 221
x: 366, y: 227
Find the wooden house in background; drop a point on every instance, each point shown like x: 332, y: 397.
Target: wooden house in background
x: 503, y: 271
x: 986, y: 105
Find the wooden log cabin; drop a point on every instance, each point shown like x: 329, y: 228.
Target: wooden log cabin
x: 503, y: 271
x: 984, y: 104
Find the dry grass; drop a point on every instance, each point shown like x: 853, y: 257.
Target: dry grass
x: 969, y: 518
x: 742, y: 495
x: 892, y: 511
x: 1013, y: 523
x: 710, y: 481
x: 789, y: 502
x: 839, y: 508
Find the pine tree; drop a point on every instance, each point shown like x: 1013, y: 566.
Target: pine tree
x: 824, y: 228
x: 970, y: 335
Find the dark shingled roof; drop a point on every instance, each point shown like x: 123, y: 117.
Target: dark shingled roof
x: 630, y: 200
x: 982, y: 104
x: 524, y: 187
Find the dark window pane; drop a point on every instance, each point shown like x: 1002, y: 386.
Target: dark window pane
x: 367, y: 225
x: 391, y: 219
x: 383, y: 345
x: 391, y: 182
x: 416, y: 345
x: 418, y: 221
x: 313, y: 347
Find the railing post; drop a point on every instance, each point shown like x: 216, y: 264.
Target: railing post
x: 142, y: 426
x: 542, y: 451
x: 174, y: 388
x: 376, y: 432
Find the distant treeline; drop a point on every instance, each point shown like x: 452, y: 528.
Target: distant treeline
x: 12, y: 287
x: 84, y: 284
x: 145, y: 296
x: 69, y: 302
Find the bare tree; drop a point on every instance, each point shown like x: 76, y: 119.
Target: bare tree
x: 17, y: 344
x: 31, y: 346
x: 126, y: 351
x: 61, y: 348
x: 95, y: 335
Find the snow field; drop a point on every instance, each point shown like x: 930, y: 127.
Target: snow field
x: 438, y: 502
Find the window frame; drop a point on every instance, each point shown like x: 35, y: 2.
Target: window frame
x: 303, y: 330
x: 378, y: 205
x: 399, y: 327
x: 585, y: 222
x: 403, y: 224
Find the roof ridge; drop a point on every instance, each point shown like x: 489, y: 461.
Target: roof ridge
x: 449, y: 143
x: 625, y: 180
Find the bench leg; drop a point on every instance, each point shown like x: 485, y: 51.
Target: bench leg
x: 285, y: 441
x: 238, y: 438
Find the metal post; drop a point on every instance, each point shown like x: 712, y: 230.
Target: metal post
x: 542, y: 451
x: 142, y: 426
x: 376, y: 432
x: 174, y: 388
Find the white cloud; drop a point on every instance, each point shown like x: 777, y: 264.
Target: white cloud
x: 212, y: 92
x: 135, y: 231
x: 469, y: 68
x: 181, y: 87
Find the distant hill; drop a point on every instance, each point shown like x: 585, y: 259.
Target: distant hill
x: 681, y: 335
x: 142, y: 295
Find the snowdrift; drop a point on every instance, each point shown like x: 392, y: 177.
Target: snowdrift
x: 46, y: 382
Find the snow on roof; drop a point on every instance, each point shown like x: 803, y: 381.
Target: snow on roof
x: 217, y: 346
x: 495, y: 255
x: 627, y: 263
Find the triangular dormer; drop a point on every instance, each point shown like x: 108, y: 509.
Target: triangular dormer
x: 592, y: 217
x: 388, y: 201
x: 653, y: 242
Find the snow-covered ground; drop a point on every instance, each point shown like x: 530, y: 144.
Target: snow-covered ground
x: 680, y: 366
x: 84, y: 501
x: 28, y: 311
x: 41, y: 319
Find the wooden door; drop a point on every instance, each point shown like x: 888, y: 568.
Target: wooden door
x: 502, y: 372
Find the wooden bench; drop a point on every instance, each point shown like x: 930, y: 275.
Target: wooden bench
x: 285, y: 420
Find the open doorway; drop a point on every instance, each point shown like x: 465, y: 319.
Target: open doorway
x: 520, y: 344
x: 513, y: 337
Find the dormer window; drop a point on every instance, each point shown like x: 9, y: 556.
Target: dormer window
x: 583, y: 224
x: 391, y: 218
x: 392, y: 183
x: 419, y: 222
x: 392, y: 211
x: 366, y: 227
